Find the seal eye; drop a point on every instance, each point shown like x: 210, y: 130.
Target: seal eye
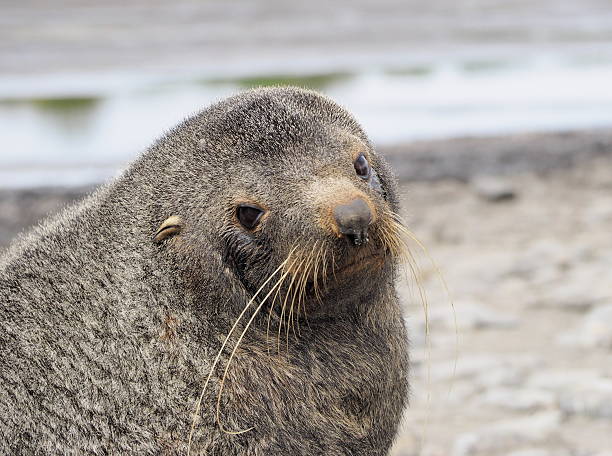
x: 248, y: 215
x: 362, y: 167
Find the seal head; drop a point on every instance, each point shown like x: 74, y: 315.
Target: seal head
x: 284, y: 173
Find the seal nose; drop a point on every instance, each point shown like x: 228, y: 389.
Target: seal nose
x: 353, y: 219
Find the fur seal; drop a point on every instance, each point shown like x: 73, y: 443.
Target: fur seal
x: 231, y: 293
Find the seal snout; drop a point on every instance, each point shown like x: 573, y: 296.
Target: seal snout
x: 353, y: 219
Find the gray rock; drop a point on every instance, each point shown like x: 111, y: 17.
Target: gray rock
x: 509, y: 435
x: 477, y: 366
x: 595, y: 330
x: 572, y: 297
x: 599, y: 212
x: 592, y: 399
x: 524, y: 400
x: 582, y: 289
x: 493, y: 189
x: 460, y: 393
x: 470, y: 315
x: 579, y: 392
x: 559, y: 380
x: 505, y: 375
x: 539, y: 452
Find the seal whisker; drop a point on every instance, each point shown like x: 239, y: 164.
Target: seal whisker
x: 293, y: 295
x: 272, y: 305
x: 402, y: 228
x: 304, y: 283
x: 321, y: 273
x: 390, y: 236
x: 281, y: 321
x: 405, y: 254
x: 290, y: 322
x: 289, y: 314
x: 218, y: 357
x: 334, y: 264
x: 229, y: 361
x: 302, y: 292
x: 289, y: 290
x: 300, y: 287
x: 388, y: 241
x: 325, y: 269
x: 315, y: 273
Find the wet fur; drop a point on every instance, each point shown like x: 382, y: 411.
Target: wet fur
x: 107, y: 336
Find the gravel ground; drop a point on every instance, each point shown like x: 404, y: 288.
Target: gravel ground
x: 528, y: 261
x: 523, y: 366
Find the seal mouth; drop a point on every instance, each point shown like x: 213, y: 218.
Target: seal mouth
x: 360, y: 262
x: 334, y: 278
x: 356, y: 263
x: 316, y: 274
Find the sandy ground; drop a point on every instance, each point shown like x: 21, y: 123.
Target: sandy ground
x: 523, y: 365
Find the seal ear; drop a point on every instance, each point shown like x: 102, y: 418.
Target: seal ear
x: 171, y: 226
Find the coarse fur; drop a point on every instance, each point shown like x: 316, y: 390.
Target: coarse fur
x: 108, y: 333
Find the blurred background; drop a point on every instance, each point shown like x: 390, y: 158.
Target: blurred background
x: 496, y: 116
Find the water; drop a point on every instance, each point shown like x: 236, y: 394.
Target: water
x: 76, y: 104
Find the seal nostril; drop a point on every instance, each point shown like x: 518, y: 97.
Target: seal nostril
x: 352, y: 220
x: 358, y: 238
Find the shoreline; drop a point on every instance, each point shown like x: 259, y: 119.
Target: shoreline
x: 465, y: 158
x: 459, y: 159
